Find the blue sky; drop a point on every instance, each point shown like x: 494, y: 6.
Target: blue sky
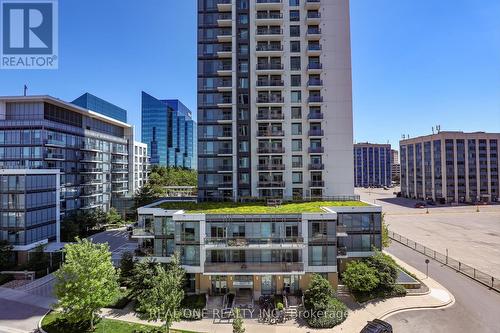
x: 415, y: 63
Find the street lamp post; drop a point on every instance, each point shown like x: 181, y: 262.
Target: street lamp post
x: 427, y: 268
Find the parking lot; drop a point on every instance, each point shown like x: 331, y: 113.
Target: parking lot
x: 470, y: 236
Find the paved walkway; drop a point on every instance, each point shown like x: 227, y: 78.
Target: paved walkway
x: 438, y: 297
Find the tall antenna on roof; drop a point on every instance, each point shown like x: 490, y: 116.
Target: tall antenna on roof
x: 25, y: 90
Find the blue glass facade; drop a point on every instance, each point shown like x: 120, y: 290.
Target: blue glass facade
x: 96, y: 104
x: 169, y: 131
x: 372, y: 165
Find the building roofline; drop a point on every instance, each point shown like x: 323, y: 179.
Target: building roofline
x: 443, y: 133
x: 68, y: 105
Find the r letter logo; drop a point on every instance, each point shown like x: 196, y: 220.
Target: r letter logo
x: 29, y: 38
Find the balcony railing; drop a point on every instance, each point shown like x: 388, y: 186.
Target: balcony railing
x: 271, y: 184
x: 313, y: 15
x: 341, y: 251
x: 270, y: 99
x: 341, y: 228
x: 267, y: 16
x: 270, y: 83
x: 315, y: 115
x: 316, y: 183
x: 316, y: 132
x: 313, y: 31
x: 271, y: 167
x: 218, y: 267
x: 269, y: 48
x: 243, y: 241
x: 269, y: 1
x: 315, y: 99
x: 316, y: 166
x: 269, y: 66
x: 314, y: 65
x: 315, y: 83
x: 314, y: 47
x: 316, y: 150
x: 271, y: 150
x: 270, y: 116
x: 270, y: 133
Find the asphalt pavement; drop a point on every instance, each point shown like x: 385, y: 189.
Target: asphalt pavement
x: 476, y: 308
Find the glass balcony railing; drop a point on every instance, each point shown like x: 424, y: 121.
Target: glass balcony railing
x: 254, y: 267
x: 271, y: 150
x: 243, y: 241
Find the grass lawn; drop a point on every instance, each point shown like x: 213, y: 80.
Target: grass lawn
x: 51, y: 323
x: 257, y: 207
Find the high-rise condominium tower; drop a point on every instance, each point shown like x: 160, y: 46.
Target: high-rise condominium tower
x: 274, y: 98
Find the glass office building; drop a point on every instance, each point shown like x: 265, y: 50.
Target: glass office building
x: 91, y: 151
x: 372, y: 165
x: 451, y: 167
x: 96, y: 104
x: 169, y: 131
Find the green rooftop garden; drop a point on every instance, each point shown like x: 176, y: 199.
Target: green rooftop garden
x: 257, y: 207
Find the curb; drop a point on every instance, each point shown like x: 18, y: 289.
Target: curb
x: 416, y: 308
x: 40, y: 329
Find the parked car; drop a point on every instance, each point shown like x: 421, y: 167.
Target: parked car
x: 420, y: 204
x: 430, y: 203
x: 377, y: 326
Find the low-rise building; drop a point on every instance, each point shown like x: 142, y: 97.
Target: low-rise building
x: 451, y: 167
x: 372, y: 165
x: 266, y: 249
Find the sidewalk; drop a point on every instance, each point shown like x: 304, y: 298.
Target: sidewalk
x: 438, y: 297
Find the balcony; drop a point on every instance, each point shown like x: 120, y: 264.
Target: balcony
x: 269, y: 68
x: 271, y: 184
x: 271, y: 150
x: 313, y: 17
x: 267, y: 18
x: 315, y: 83
x: 341, y: 252
x: 313, y: 34
x: 224, y: 36
x: 269, y: 33
x: 142, y: 233
x: 225, y: 168
x: 223, y: 152
x: 91, y: 170
x: 270, y: 100
x: 316, y: 166
x: 313, y: 4
x: 314, y: 68
x: 268, y: 4
x: 225, y: 51
x: 54, y: 156
x: 316, y: 132
x: 55, y: 143
x: 341, y: 230
x: 315, y: 99
x: 225, y: 19
x: 316, y: 150
x: 269, y: 50
x: 270, y: 84
x: 313, y: 50
x: 270, y: 116
x: 271, y: 167
x: 270, y: 133
x: 225, y: 70
x: 224, y: 6
x: 315, y: 116
x: 225, y: 85
x: 249, y: 268
x: 119, y: 160
x: 316, y: 183
x: 225, y: 103
x: 237, y: 242
x: 225, y: 185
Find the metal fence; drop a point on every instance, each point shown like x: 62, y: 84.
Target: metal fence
x: 473, y: 273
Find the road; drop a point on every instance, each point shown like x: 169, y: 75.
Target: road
x: 476, y: 308
x: 19, y: 317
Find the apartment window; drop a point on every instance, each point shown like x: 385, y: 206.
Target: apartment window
x: 295, y: 80
x: 297, y: 129
x: 243, y: 146
x: 297, y: 177
x: 295, y: 31
x: 295, y: 63
x: 296, y: 112
x: 243, y: 4
x: 243, y: 33
x: 243, y: 83
x: 243, y: 18
x: 243, y: 66
x: 297, y: 192
x: 296, y: 161
x: 294, y: 16
x: 295, y: 46
x: 243, y: 114
x: 294, y: 3
x: 243, y: 130
x: 297, y: 145
x: 243, y: 162
x: 296, y: 96
x: 243, y: 49
x: 244, y: 178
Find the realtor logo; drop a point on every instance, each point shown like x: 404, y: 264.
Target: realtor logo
x: 28, y: 35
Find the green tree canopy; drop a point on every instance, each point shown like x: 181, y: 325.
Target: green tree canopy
x: 238, y: 322
x: 318, y: 294
x: 358, y: 276
x: 5, y: 254
x: 86, y: 282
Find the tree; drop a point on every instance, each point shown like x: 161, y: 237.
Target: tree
x: 386, y: 240
x: 126, y: 267
x: 163, y: 299
x: 141, y: 278
x: 5, y: 254
x: 318, y: 294
x: 358, y: 276
x: 385, y: 269
x: 113, y: 217
x: 86, y: 282
x: 238, y: 322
